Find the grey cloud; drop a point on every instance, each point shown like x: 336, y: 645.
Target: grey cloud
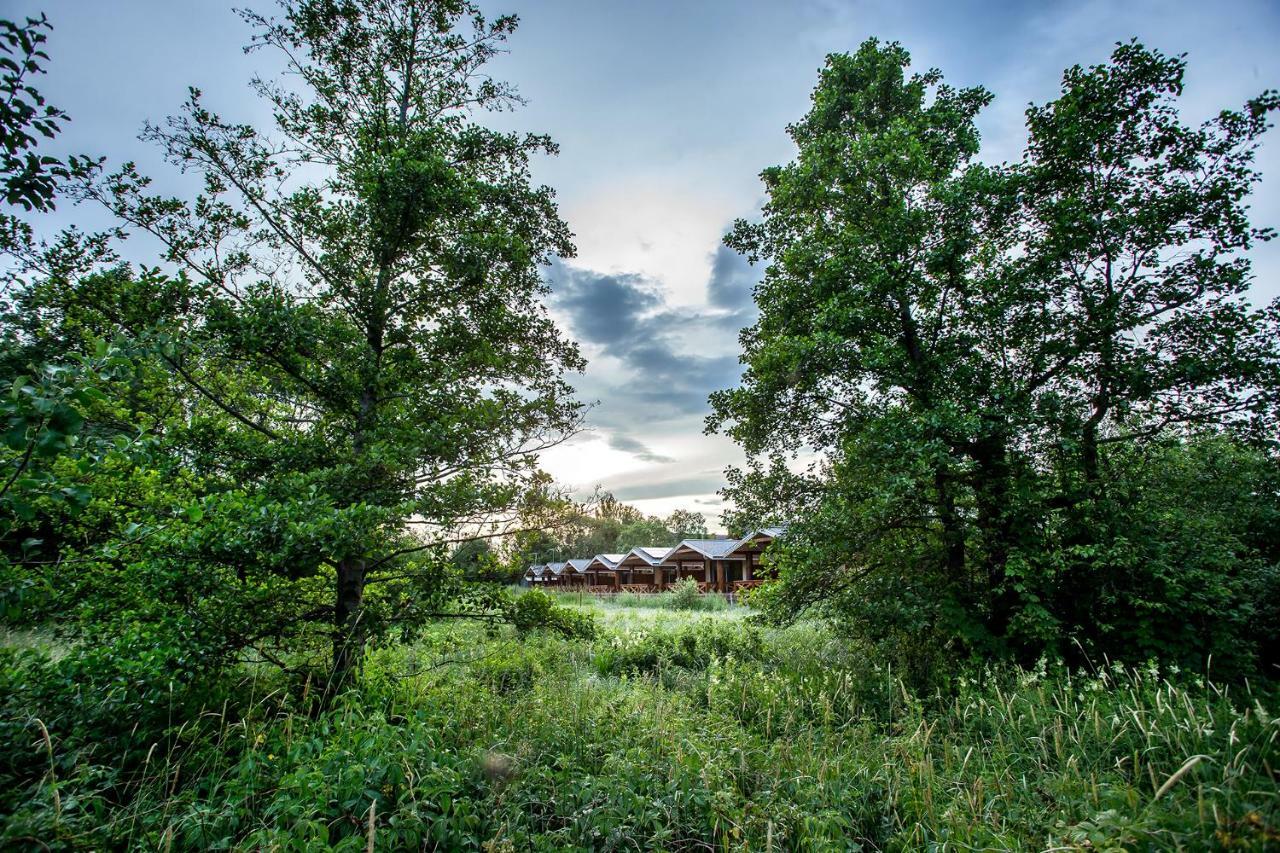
x: 637, y: 448
x: 604, y: 308
x: 629, y: 321
x: 732, y: 281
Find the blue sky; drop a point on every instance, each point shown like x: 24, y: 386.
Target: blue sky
x: 665, y: 113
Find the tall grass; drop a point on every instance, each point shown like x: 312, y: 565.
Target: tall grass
x: 683, y: 733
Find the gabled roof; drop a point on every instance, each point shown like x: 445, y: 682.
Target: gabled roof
x: 578, y: 565
x: 713, y: 549
x: 554, y: 568
x: 534, y: 570
x: 644, y: 556
x: 769, y: 533
x: 604, y: 562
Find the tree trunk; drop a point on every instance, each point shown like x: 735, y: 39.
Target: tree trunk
x: 953, y: 548
x: 995, y: 522
x: 348, y: 633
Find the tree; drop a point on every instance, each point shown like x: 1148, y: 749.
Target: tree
x: 644, y: 533
x: 364, y: 318
x: 870, y: 235
x: 475, y: 559
x: 959, y: 342
x: 686, y: 524
x: 28, y: 178
x: 59, y: 416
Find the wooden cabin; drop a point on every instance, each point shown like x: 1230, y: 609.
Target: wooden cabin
x: 575, y: 572
x: 640, y: 569
x: 749, y: 548
x: 711, y: 562
x: 718, y: 565
x: 601, y: 576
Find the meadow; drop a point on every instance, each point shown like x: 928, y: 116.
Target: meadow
x: 670, y: 729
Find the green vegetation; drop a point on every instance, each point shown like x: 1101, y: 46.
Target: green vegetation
x: 258, y: 498
x: 1043, y: 400
x: 603, y: 525
x: 683, y: 595
x: 669, y: 731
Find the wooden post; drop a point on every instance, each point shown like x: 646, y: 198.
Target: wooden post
x: 658, y: 578
x: 747, y: 573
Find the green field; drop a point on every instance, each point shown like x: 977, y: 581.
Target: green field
x: 669, y: 730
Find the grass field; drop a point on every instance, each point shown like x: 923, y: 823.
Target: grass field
x: 669, y: 730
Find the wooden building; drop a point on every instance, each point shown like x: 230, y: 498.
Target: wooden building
x: 720, y: 565
x: 638, y: 570
x: 749, y: 549
x: 711, y: 562
x: 601, y: 576
x: 575, y: 572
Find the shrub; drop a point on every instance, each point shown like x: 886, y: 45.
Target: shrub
x: 685, y: 595
x: 536, y: 610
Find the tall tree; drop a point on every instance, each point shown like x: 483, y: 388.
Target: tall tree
x: 366, y: 309
x: 872, y: 237
x: 960, y: 342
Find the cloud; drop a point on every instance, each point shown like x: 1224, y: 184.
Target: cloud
x: 671, y: 358
x: 637, y: 448
x: 604, y: 309
x: 670, y: 488
x: 732, y: 281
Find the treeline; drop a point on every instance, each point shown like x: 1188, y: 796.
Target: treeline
x: 601, y: 525
x: 605, y: 525
x: 1042, y: 399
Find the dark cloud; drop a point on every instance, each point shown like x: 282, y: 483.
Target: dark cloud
x: 637, y: 448
x: 604, y: 308
x: 629, y: 320
x: 732, y: 281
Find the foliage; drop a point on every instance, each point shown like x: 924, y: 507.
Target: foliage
x: 647, y: 532
x: 28, y: 178
x: 477, y: 560
x: 707, y: 733
x: 603, y: 525
x: 360, y: 362
x: 1014, y: 376
x: 685, y: 594
x: 534, y: 609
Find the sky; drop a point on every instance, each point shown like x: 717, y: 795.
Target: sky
x: 665, y: 113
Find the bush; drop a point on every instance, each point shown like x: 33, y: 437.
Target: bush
x: 685, y: 595
x: 536, y: 610
x: 692, y: 647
